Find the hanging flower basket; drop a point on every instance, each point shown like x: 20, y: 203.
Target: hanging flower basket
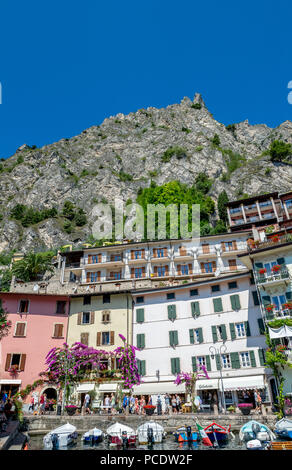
x: 245, y: 408
x: 262, y: 270
x: 149, y: 409
x: 276, y: 268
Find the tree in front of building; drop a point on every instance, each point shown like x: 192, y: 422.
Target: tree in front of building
x: 128, y: 364
x: 190, y: 379
x: 5, y: 324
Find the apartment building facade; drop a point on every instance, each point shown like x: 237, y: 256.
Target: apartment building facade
x: 39, y: 323
x: 216, y: 323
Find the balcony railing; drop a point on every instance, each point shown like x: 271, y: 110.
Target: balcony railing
x: 273, y: 241
x: 265, y: 278
x: 276, y: 313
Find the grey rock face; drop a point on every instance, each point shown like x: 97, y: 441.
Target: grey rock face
x: 87, y: 169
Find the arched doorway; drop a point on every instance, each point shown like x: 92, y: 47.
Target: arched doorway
x: 51, y: 393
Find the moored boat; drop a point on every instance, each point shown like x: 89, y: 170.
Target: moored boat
x: 186, y: 434
x: 63, y: 436
x: 150, y: 433
x: 252, y: 430
x: 93, y: 436
x: 217, y: 434
x: 283, y: 429
x: 120, y: 435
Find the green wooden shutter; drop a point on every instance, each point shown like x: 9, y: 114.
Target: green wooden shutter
x: 289, y: 295
x: 232, y: 331
x: 218, y: 305
x: 171, y: 312
x: 235, y: 302
x: 247, y: 329
x: 141, y: 367
x: 218, y: 362
x: 235, y: 363
x: 259, y: 265
x: 194, y: 363
x: 175, y: 365
x: 261, y: 326
x: 195, y: 309
x: 200, y: 333
x: 173, y: 338
x: 261, y: 356
x: 141, y: 341
x: 214, y: 334
x: 208, y: 363
x: 192, y: 338
x: 140, y: 315
x: 255, y: 298
x: 224, y: 334
x: 252, y: 359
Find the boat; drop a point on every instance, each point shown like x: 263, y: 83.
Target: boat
x: 217, y: 434
x: 150, y: 433
x: 185, y: 434
x: 252, y: 430
x: 63, y: 436
x: 120, y: 435
x: 93, y: 436
x: 283, y: 429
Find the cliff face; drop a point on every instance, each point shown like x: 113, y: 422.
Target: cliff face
x: 123, y: 154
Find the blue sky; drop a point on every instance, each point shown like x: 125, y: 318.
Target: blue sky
x: 65, y: 66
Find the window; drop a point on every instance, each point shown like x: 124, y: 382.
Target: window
x: 140, y: 299
x: 140, y: 315
x: 170, y: 296
x: 245, y: 359
x: 228, y: 246
x: 106, y: 299
x: 160, y: 252
x: 184, y: 269
x: 195, y: 307
x: 208, y: 267
x: 217, y: 303
x: 240, y: 330
x: 138, y: 254
x: 58, y: 330
x: 194, y: 292
x: 20, y: 329
x: 161, y: 271
x: 171, y: 309
x: 141, y: 365
x: 15, y: 359
x: 235, y: 302
x: 87, y: 300
x: 175, y: 365
x: 196, y: 336
x: 95, y: 259
x: 23, y: 306
x: 61, y: 306
x: 255, y: 298
x: 215, y: 288
x: 221, y: 331
x: 105, y: 317
x: 138, y: 272
x: 278, y: 301
x: 226, y: 361
x: 234, y: 210
x: 201, y: 360
x: 141, y: 341
x: 116, y: 275
x: 232, y: 285
x: 85, y: 318
x: 94, y: 277
x: 232, y: 264
x: 105, y: 338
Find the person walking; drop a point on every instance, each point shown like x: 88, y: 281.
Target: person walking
x: 86, y: 403
x: 42, y: 405
x: 125, y: 403
x: 173, y: 404
x: 107, y: 403
x: 137, y: 406
x: 167, y: 403
x: 31, y: 406
x: 178, y: 403
x: 258, y: 402
x: 159, y: 406
x: 113, y: 403
x: 142, y: 404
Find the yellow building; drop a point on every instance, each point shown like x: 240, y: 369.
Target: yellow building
x: 97, y: 320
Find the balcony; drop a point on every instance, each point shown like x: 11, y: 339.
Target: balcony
x: 275, y: 240
x: 273, y: 279
x: 183, y: 255
x: 159, y: 259
x: 207, y: 252
x: 277, y: 313
x: 138, y: 259
x: 230, y: 249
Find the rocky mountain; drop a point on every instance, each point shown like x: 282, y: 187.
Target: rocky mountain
x: 122, y: 155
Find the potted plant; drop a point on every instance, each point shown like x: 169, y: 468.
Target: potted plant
x: 245, y: 408
x: 270, y: 308
x: 149, y: 409
x: 231, y: 409
x: 276, y: 268
x: 71, y: 409
x: 262, y: 270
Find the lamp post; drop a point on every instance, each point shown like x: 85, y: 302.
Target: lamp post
x: 214, y: 351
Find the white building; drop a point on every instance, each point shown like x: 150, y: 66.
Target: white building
x: 215, y: 321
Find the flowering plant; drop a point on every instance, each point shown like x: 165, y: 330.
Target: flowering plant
x: 275, y: 238
x: 71, y: 407
x: 270, y: 307
x: 276, y: 268
x: 262, y: 270
x: 190, y: 379
x: 13, y: 369
x: 5, y: 324
x: 244, y: 405
x: 149, y: 407
x: 287, y: 305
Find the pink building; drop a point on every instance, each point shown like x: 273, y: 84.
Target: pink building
x: 39, y: 323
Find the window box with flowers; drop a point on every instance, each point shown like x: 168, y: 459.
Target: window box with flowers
x: 276, y: 268
x: 288, y: 407
x: 13, y: 369
x: 245, y: 408
x: 262, y: 270
x: 270, y: 308
x: 149, y: 409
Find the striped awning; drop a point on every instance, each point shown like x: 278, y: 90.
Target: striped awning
x: 242, y: 383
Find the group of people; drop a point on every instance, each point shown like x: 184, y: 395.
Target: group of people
x: 253, y: 397
x: 6, y: 410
